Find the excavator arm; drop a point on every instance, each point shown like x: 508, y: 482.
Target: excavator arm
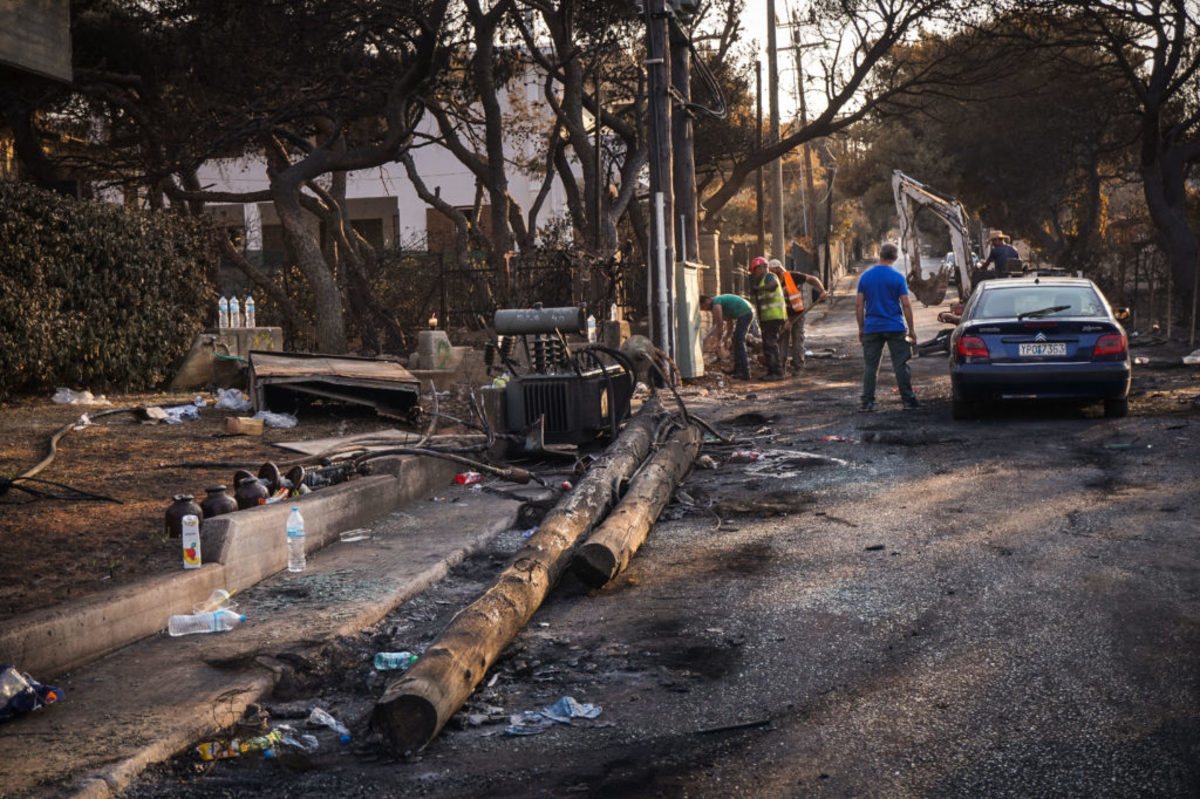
x: 911, y: 197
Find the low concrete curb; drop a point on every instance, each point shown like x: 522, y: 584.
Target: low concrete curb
x: 241, y: 548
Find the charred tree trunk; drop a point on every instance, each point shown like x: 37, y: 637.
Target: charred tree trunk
x: 611, y: 547
x: 415, y: 707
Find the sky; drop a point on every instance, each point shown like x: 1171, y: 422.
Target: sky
x: 754, y: 18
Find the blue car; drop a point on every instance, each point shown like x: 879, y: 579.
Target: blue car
x: 1039, y: 338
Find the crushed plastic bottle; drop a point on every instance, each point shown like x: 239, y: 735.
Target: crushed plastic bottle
x: 214, y: 622
x: 394, y: 661
x: 320, y: 718
x: 468, y: 478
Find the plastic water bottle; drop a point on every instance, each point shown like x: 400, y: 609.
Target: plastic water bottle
x: 223, y: 313
x: 218, y: 621
x: 614, y: 313
x: 295, y: 541
x: 591, y: 328
x: 394, y: 661
x: 319, y: 718
x: 250, y: 311
x: 235, y: 313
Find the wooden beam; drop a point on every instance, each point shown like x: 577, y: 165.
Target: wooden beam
x: 415, y: 707
x: 610, y: 548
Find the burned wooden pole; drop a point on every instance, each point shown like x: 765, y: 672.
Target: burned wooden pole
x: 610, y: 548
x: 415, y: 707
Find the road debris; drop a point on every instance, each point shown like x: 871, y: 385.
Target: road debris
x: 535, y: 722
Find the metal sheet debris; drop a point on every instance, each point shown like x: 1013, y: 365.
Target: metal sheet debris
x: 384, y: 385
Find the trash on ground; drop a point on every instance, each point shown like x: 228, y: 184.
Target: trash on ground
x: 66, y: 396
x: 217, y: 600
x: 745, y: 456
x: 242, y: 426
x: 706, y: 462
x: 535, y: 722
x: 529, y: 532
x: 182, y: 413
x: 836, y: 438
x: 236, y: 747
x: 232, y: 399
x: 22, y: 694
x: 320, y: 718
x: 468, y: 478
x: 394, y: 661
x: 217, y: 621
x: 276, y: 419
x: 357, y: 534
x: 1192, y: 358
x: 1126, y: 445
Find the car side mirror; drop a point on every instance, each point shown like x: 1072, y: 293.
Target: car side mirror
x: 1121, y: 313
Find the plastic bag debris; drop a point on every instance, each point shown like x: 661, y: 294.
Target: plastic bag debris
x: 22, y: 694
x: 182, y: 413
x: 232, y: 399
x: 744, y: 456
x: 276, y: 419
x: 535, y: 722
x: 66, y: 396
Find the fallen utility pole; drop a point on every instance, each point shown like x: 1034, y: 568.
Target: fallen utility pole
x: 610, y: 548
x: 415, y: 707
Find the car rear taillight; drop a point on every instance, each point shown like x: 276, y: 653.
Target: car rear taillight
x: 972, y: 347
x: 1112, y: 346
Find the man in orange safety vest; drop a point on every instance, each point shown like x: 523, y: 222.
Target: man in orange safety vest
x: 792, y: 337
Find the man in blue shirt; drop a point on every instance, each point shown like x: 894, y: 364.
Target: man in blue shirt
x: 885, y: 316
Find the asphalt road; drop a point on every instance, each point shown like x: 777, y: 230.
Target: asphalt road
x: 1007, y: 607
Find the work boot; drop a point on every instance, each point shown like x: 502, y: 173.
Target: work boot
x: 867, y: 406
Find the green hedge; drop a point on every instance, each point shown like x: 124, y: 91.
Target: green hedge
x: 92, y: 296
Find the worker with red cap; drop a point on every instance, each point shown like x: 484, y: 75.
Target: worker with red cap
x: 767, y: 292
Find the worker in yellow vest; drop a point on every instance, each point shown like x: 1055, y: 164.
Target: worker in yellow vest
x: 767, y: 292
x: 792, y: 337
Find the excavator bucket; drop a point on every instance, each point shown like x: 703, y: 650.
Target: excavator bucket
x: 930, y: 290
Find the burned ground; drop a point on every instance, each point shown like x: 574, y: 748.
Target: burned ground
x: 888, y: 604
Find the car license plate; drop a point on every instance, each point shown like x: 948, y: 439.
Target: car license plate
x: 1038, y: 348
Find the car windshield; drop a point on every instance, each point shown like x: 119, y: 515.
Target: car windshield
x: 1039, y: 301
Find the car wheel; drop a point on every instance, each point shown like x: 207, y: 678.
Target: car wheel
x: 961, y: 409
x: 1116, y: 408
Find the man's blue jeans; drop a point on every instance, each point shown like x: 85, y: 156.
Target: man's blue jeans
x: 741, y: 358
x: 901, y: 351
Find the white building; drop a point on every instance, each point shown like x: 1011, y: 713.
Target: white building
x: 382, y: 203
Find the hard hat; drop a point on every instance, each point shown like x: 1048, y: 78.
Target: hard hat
x: 757, y: 262
x: 775, y: 263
